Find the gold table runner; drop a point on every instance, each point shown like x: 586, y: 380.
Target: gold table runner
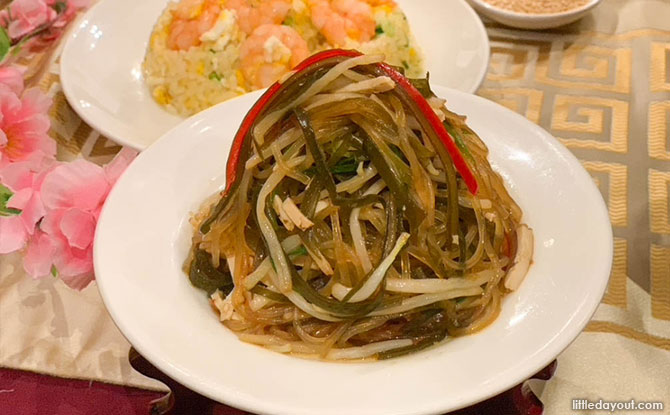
x: 601, y: 86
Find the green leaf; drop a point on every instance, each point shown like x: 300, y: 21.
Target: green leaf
x: 345, y: 166
x: 458, y: 139
x: 4, y: 212
x: 214, y: 76
x: 379, y: 30
x: 54, y: 271
x: 4, y: 43
x: 398, y: 152
x: 16, y: 49
x: 289, y: 21
x: 5, y: 195
x: 299, y: 251
x: 60, y: 7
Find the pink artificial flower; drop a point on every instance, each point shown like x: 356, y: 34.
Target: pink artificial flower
x: 66, y: 12
x: 71, y: 9
x: 12, y: 77
x: 24, y: 124
x: 73, y: 194
x: 26, y: 152
x: 24, y: 184
x: 26, y: 16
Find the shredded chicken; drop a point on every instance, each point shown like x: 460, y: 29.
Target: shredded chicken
x: 295, y: 215
x: 278, y: 206
x: 437, y: 104
x: 224, y: 306
x: 290, y: 215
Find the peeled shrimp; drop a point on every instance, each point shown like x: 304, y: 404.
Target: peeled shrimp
x: 375, y: 3
x: 190, y: 20
x: 254, y: 13
x: 270, y: 52
x: 339, y: 20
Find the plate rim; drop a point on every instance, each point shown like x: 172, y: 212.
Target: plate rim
x: 486, y: 47
x: 66, y: 82
x: 103, y: 127
x: 557, y: 343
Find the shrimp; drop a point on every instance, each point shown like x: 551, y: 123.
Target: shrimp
x: 190, y: 20
x: 339, y: 20
x: 254, y: 13
x: 270, y: 52
x: 375, y: 3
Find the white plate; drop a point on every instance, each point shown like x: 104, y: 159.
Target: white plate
x: 101, y: 64
x: 143, y: 236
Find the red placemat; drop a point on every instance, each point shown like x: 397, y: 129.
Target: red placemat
x: 27, y: 393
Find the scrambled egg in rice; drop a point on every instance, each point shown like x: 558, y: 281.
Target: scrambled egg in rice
x: 202, y: 52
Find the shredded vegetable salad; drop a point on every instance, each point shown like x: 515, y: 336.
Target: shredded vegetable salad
x: 360, y: 220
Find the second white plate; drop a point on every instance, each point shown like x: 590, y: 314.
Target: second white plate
x: 101, y: 64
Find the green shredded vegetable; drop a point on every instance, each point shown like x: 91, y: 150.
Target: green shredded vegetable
x: 272, y: 295
x: 204, y: 276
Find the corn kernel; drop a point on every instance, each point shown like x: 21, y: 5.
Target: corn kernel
x: 161, y: 95
x: 240, y: 80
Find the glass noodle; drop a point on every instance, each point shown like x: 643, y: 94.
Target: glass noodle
x: 348, y: 232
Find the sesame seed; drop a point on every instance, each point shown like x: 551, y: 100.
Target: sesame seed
x: 537, y: 6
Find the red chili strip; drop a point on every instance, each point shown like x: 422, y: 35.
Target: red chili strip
x: 426, y: 109
x: 448, y: 141
x: 259, y: 106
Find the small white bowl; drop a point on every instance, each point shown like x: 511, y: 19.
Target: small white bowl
x: 532, y: 21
